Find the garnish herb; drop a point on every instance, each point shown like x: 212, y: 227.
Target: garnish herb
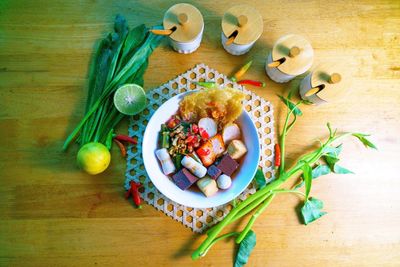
x: 122, y: 57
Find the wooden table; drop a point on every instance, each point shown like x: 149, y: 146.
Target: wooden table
x: 52, y: 214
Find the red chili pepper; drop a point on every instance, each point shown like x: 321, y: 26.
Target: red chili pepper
x: 203, y: 152
x: 134, y: 192
x: 125, y: 138
x: 251, y: 82
x: 121, y: 147
x: 190, y: 138
x: 203, y: 133
x: 195, y: 128
x: 277, y: 155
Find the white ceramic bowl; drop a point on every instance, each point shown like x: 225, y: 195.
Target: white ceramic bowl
x: 191, y: 198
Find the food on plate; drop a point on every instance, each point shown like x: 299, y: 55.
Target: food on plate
x: 193, y: 142
x: 227, y: 165
x: 224, y: 181
x: 195, y: 167
x: 207, y: 127
x: 208, y: 186
x: 230, y: 132
x: 211, y: 149
x: 223, y: 105
x: 184, y: 179
x: 213, y: 172
x: 237, y: 149
x: 167, y: 165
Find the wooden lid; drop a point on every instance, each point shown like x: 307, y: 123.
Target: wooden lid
x: 297, y: 52
x: 334, y: 84
x: 246, y: 20
x: 188, y: 22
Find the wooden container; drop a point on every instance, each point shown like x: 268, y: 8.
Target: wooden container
x: 188, y: 25
x: 292, y: 55
x: 244, y: 25
x: 323, y: 85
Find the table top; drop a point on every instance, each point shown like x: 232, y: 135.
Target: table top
x: 53, y: 214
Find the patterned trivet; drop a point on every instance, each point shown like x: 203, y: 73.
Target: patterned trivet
x: 259, y: 110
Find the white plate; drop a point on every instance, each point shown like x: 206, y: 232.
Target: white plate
x: 190, y: 198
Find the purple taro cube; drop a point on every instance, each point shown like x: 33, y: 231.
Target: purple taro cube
x: 214, y: 172
x: 184, y: 179
x: 227, y: 165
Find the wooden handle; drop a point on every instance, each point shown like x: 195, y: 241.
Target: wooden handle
x: 183, y: 18
x: 162, y: 32
x: 230, y: 40
x: 315, y: 90
x: 294, y: 51
x: 312, y: 91
x: 276, y: 63
x: 242, y: 20
x: 335, y: 78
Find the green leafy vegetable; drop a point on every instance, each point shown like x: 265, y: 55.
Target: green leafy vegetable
x: 311, y: 210
x: 291, y: 105
x: 334, y: 151
x: 260, y: 178
x: 122, y: 58
x: 259, y: 201
x: 307, y: 175
x: 318, y: 171
x: 331, y: 161
x: 341, y: 170
x: 364, y: 140
x: 246, y: 247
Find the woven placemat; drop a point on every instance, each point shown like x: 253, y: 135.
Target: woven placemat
x: 259, y: 110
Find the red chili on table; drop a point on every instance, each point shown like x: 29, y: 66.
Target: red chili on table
x: 134, y: 192
x: 121, y: 147
x: 277, y: 155
x: 125, y: 138
x: 251, y: 82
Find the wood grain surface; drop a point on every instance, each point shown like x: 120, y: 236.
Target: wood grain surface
x: 52, y: 214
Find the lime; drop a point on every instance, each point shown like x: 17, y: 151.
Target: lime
x: 130, y: 99
x: 93, y: 158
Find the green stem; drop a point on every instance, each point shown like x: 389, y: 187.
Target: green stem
x: 277, y: 191
x: 81, y: 123
x: 216, y: 240
x: 218, y: 228
x: 250, y: 207
x: 284, y: 176
x: 283, y: 137
x: 254, y: 218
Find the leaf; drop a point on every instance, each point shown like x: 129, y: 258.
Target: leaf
x: 246, y: 247
x: 317, y: 172
x: 307, y: 177
x: 341, y: 170
x: 320, y: 170
x: 311, y: 210
x: 291, y: 105
x: 133, y: 41
x: 333, y: 151
x: 331, y: 161
x: 364, y: 140
x: 259, y: 178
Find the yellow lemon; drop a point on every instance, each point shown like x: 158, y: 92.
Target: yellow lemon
x: 93, y: 158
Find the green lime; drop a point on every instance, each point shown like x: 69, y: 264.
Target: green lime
x: 130, y: 99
